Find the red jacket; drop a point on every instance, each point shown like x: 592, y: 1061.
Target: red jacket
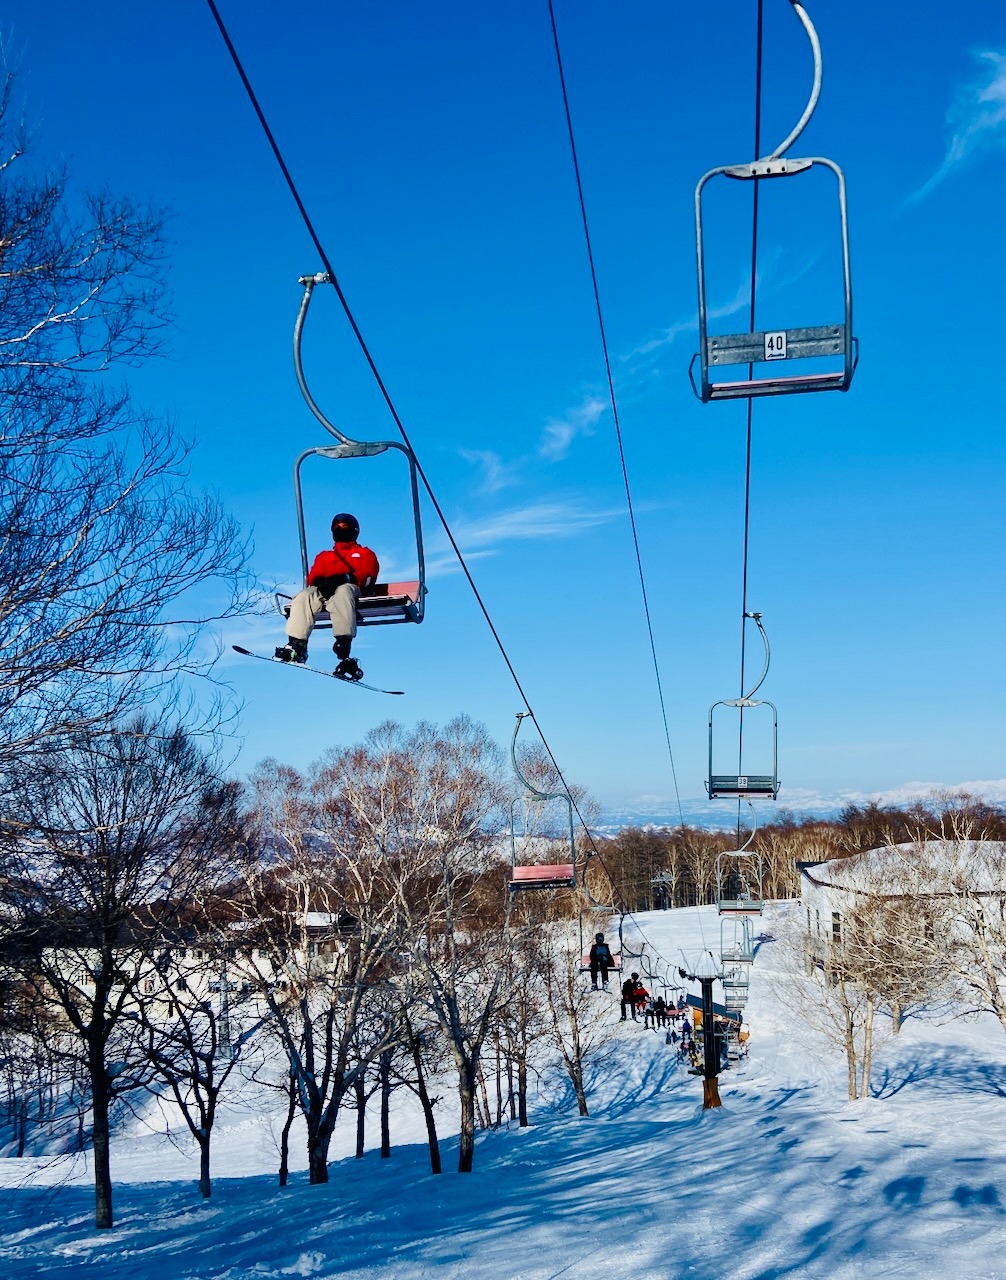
x: 346, y: 558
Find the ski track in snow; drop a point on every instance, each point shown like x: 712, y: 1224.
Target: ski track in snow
x: 786, y: 1180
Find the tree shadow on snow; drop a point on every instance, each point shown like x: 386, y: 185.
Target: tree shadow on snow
x: 943, y: 1069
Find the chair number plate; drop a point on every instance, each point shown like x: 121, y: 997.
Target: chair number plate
x: 741, y: 783
x: 775, y: 345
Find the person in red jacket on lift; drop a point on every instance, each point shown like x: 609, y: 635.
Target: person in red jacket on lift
x: 334, y: 584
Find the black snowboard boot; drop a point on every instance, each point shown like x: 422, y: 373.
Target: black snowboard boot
x: 293, y: 651
x: 342, y: 646
x: 349, y: 669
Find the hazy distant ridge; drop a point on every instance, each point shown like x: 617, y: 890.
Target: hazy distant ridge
x: 654, y: 811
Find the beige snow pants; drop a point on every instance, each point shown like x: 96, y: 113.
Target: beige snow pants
x: 307, y: 604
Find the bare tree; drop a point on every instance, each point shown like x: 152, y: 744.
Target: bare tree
x: 524, y: 1023
x: 580, y: 1023
x: 966, y: 878
x: 430, y: 804
x: 197, y: 1025
x: 829, y: 1004
x: 44, y: 1096
x: 323, y: 922
x: 119, y: 832
x: 109, y: 567
x: 425, y: 1045
x: 893, y: 945
x: 883, y: 953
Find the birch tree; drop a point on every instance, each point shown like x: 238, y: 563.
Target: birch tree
x: 117, y: 834
x: 322, y: 926
x: 967, y: 878
x: 430, y: 804
x: 580, y: 1022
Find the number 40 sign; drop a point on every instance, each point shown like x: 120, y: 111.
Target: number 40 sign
x: 775, y: 345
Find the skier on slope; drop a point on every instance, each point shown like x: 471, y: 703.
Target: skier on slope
x: 334, y: 584
x: 601, y: 960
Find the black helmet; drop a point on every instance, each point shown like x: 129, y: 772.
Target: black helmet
x: 345, y: 528
x: 633, y: 975
x: 598, y: 937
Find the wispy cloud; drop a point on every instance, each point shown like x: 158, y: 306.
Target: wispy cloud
x: 741, y: 298
x: 488, y: 535
x: 977, y: 118
x: 442, y: 564
x: 560, y: 433
x: 534, y: 520
x: 496, y: 474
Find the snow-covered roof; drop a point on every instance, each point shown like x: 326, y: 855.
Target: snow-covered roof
x: 916, y: 867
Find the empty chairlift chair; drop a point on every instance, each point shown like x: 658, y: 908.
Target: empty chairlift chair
x: 537, y: 875
x: 777, y: 348
x: 747, y: 786
x: 739, y: 876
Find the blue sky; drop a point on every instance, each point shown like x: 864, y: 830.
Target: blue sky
x: 429, y: 143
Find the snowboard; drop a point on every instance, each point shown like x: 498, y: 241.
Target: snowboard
x: 303, y: 666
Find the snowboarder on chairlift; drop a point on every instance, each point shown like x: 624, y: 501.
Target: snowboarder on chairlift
x: 334, y: 584
x: 629, y: 996
x: 601, y: 960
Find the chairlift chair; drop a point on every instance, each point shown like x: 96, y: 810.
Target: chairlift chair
x: 773, y: 347
x: 742, y: 879
x: 777, y: 347
x: 594, y: 908
x: 383, y: 603
x: 747, y: 786
x: 533, y: 875
x: 736, y: 943
x: 616, y: 954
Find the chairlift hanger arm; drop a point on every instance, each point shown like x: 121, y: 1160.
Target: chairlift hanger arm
x: 598, y: 906
x: 815, y: 92
x: 773, y: 165
x: 309, y: 283
x: 756, y: 619
x: 348, y: 447
x: 737, y: 853
x: 529, y: 787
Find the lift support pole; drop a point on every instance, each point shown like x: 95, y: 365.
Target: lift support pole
x: 710, y: 1049
x: 710, y: 1043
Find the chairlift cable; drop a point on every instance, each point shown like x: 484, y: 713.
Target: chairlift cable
x: 333, y: 280
x: 614, y: 406
x: 759, y: 47
x: 309, y: 225
x: 621, y: 451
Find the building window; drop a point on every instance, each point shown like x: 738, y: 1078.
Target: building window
x: 836, y: 927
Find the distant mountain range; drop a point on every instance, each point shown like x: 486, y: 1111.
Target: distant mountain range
x: 659, y: 811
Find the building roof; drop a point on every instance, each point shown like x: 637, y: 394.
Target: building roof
x: 920, y: 868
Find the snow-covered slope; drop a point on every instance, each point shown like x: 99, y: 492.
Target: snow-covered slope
x: 787, y: 1179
